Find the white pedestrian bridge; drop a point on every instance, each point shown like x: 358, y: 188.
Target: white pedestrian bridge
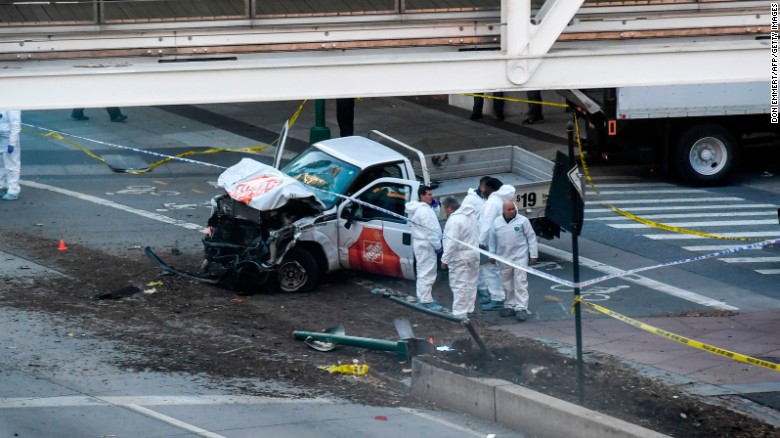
x: 91, y: 53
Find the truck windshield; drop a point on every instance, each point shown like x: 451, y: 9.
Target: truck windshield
x: 322, y: 171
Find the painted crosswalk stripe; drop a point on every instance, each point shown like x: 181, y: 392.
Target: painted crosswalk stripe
x: 768, y: 271
x: 689, y: 215
x: 683, y: 207
x: 668, y: 200
x: 638, y: 279
x: 714, y: 248
x: 699, y: 224
x: 646, y: 192
x: 750, y: 234
x: 751, y: 259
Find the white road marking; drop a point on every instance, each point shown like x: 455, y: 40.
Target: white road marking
x: 768, y: 271
x: 667, y: 200
x: 688, y: 215
x: 638, y: 279
x: 173, y: 422
x: 442, y: 422
x: 150, y: 400
x: 700, y: 224
x: 750, y: 259
x: 713, y: 248
x: 634, y: 185
x: 749, y: 234
x: 641, y: 191
x: 112, y: 204
x: 682, y: 207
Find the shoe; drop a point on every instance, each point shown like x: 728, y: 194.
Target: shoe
x: 9, y: 197
x: 434, y: 306
x: 80, y: 118
x: 506, y: 312
x: 484, y: 296
x: 521, y: 315
x: 493, y: 305
x: 532, y: 121
x: 475, y: 116
x: 119, y: 118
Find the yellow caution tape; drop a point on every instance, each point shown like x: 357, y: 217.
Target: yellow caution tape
x: 512, y: 99
x: 639, y: 218
x: 253, y: 149
x: 355, y: 370
x: 56, y: 135
x: 682, y: 339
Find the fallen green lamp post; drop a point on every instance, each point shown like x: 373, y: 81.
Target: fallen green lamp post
x: 405, y: 348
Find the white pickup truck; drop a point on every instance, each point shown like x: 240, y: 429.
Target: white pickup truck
x: 287, y: 227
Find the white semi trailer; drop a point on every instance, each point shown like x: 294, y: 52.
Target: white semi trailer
x: 694, y: 131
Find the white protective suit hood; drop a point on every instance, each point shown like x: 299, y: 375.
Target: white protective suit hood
x: 506, y: 192
x: 412, y: 206
x: 473, y: 199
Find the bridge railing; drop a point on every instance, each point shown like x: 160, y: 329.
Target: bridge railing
x: 97, y: 12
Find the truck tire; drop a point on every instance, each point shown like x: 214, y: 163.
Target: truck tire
x: 298, y: 272
x: 706, y: 154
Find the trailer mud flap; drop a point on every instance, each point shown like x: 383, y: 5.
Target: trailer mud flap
x: 162, y: 265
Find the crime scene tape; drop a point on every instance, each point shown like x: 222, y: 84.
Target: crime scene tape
x: 513, y: 99
x: 546, y: 276
x: 165, y: 158
x: 682, y: 339
x: 639, y: 218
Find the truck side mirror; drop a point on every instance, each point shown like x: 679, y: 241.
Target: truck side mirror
x: 349, y: 214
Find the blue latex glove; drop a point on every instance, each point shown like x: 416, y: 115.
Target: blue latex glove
x: 10, y: 148
x: 440, y: 251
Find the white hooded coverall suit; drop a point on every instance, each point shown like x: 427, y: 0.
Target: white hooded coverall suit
x: 492, y: 209
x: 426, y: 240
x: 11, y: 166
x: 462, y: 261
x: 477, y: 201
x: 514, y: 241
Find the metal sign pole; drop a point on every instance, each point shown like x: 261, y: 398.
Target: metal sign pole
x: 576, y: 262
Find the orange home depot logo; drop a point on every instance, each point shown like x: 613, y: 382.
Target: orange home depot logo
x: 371, y: 253
x: 248, y: 190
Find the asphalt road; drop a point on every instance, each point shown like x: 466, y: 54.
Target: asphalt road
x: 70, y: 196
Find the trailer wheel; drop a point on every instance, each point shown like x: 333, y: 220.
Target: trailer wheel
x: 298, y: 272
x: 706, y: 154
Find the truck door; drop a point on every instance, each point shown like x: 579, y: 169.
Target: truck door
x: 372, y: 240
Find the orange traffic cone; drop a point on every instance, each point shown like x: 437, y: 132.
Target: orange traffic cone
x: 62, y: 246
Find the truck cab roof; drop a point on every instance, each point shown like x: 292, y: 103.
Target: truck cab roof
x: 359, y: 151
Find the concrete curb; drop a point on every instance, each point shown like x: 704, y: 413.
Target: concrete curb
x: 516, y: 407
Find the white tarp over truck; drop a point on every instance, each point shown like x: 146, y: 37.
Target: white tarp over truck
x: 312, y: 216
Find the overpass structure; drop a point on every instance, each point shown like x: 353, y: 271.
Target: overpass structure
x: 91, y: 53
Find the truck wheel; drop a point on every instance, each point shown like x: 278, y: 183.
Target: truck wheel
x: 706, y: 154
x: 298, y: 271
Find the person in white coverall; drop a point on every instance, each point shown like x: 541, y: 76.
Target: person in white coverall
x: 462, y: 261
x: 475, y: 198
x: 512, y: 237
x: 10, y: 128
x: 491, y: 210
x: 426, y: 243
